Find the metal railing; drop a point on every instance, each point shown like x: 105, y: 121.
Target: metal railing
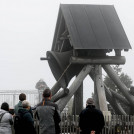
x: 12, y: 96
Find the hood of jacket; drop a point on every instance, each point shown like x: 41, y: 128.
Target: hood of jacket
x: 90, y: 106
x: 2, y: 111
x: 23, y: 111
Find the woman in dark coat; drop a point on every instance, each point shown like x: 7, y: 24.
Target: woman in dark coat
x: 27, y: 126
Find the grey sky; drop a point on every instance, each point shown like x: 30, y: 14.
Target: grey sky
x: 26, y: 33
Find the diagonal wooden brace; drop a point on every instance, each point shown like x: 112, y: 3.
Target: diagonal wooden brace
x: 75, y: 85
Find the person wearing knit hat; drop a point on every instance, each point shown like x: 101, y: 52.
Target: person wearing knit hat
x: 90, y: 101
x: 91, y: 120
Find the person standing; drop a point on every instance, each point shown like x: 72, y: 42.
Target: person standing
x: 91, y: 120
x: 6, y: 119
x: 48, y: 115
x: 18, y: 106
x: 26, y: 123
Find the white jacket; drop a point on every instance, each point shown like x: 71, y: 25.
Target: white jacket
x: 5, y: 123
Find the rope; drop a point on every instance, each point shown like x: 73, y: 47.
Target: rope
x: 64, y: 72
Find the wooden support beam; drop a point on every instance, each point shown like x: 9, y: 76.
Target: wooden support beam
x: 98, y: 60
x: 55, y: 88
x: 118, y: 109
x: 96, y: 99
x: 119, y: 97
x: 60, y: 94
x: 131, y: 91
x: 121, y: 86
x: 75, y: 85
x: 78, y: 101
x: 114, y: 103
x: 60, y: 83
x: 99, y: 87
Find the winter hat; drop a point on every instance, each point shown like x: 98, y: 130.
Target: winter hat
x: 90, y: 101
x: 25, y: 104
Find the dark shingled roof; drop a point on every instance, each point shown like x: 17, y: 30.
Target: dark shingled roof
x: 91, y: 27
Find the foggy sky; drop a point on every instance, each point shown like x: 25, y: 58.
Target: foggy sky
x: 26, y: 33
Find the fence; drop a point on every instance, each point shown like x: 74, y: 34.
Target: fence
x: 12, y: 97
x: 116, y: 124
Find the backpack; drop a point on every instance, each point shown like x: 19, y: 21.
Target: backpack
x: 2, y: 116
x: 18, y: 121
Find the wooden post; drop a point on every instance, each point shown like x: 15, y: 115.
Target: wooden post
x: 78, y: 101
x: 109, y: 97
x: 98, y: 83
x: 96, y: 100
x: 75, y: 85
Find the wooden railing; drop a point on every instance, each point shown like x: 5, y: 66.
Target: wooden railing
x: 115, y: 124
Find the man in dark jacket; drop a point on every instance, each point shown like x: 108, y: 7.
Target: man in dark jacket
x: 48, y: 114
x: 27, y: 123
x: 91, y: 119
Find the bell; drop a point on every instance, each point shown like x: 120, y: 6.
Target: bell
x: 58, y: 62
